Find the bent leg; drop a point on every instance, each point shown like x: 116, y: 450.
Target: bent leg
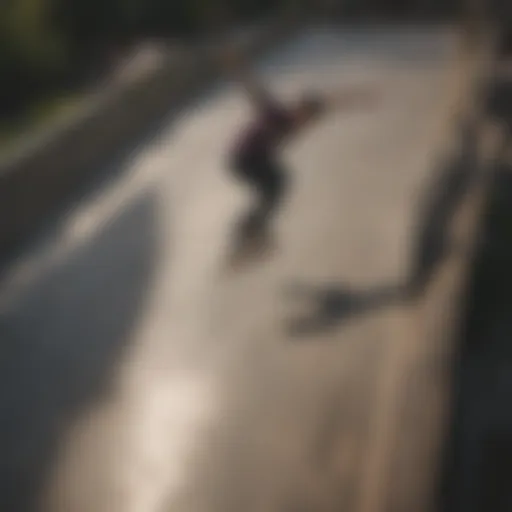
x: 274, y: 184
x: 269, y: 180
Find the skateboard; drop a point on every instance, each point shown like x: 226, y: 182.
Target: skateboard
x: 246, y: 249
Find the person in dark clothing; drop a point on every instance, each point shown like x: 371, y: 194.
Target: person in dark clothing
x: 254, y: 156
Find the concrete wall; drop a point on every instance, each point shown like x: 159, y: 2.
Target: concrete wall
x: 37, y: 182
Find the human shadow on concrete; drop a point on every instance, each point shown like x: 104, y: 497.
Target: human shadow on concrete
x: 60, y: 340
x: 443, y: 196
x: 332, y: 305
x: 328, y: 307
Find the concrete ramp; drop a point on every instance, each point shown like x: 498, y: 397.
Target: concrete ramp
x: 269, y: 389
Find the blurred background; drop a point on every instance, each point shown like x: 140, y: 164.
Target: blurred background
x: 51, y: 46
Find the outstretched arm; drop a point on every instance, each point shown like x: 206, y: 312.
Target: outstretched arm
x: 238, y: 69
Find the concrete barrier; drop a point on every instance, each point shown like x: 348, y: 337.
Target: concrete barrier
x: 414, y: 401
x: 38, y: 179
x: 425, y: 396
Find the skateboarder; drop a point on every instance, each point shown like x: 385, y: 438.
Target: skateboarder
x: 254, y: 156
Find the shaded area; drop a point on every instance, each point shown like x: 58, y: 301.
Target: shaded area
x: 442, y: 200
x: 478, y: 464
x: 328, y: 307
x: 44, y: 212
x: 60, y: 342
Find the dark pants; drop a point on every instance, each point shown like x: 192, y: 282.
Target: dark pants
x: 268, y: 178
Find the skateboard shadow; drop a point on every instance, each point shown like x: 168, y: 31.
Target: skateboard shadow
x: 327, y: 307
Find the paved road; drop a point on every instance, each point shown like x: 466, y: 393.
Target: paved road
x: 139, y: 376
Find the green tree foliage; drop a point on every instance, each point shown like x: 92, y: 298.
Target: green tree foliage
x: 43, y: 43
x: 32, y: 52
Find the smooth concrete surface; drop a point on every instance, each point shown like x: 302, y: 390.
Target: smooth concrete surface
x: 139, y: 375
